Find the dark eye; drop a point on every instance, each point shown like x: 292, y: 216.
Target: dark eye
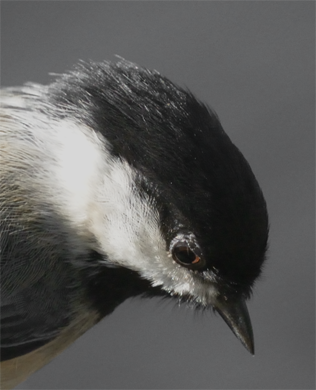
x: 183, y: 255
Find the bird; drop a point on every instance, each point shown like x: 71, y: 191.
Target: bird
x: 114, y: 183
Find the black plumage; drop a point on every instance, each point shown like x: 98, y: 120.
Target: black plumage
x: 180, y: 147
x: 186, y: 169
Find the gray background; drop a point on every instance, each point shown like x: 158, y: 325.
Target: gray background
x: 254, y: 63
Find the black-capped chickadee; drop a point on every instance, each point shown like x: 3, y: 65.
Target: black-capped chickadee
x: 115, y: 182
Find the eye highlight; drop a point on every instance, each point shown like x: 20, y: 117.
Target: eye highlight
x: 186, y: 252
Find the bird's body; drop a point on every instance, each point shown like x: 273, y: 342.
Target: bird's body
x: 114, y: 183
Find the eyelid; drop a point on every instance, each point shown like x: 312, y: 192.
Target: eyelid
x: 187, y: 239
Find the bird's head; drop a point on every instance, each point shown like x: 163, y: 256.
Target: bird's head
x: 174, y: 199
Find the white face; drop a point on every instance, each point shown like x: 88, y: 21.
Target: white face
x: 127, y: 229
x: 73, y: 171
x: 99, y: 197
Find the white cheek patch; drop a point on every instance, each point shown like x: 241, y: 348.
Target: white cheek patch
x: 99, y: 197
x: 80, y: 163
x: 71, y: 169
x: 127, y: 228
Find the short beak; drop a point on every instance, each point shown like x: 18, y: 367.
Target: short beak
x: 235, y: 314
